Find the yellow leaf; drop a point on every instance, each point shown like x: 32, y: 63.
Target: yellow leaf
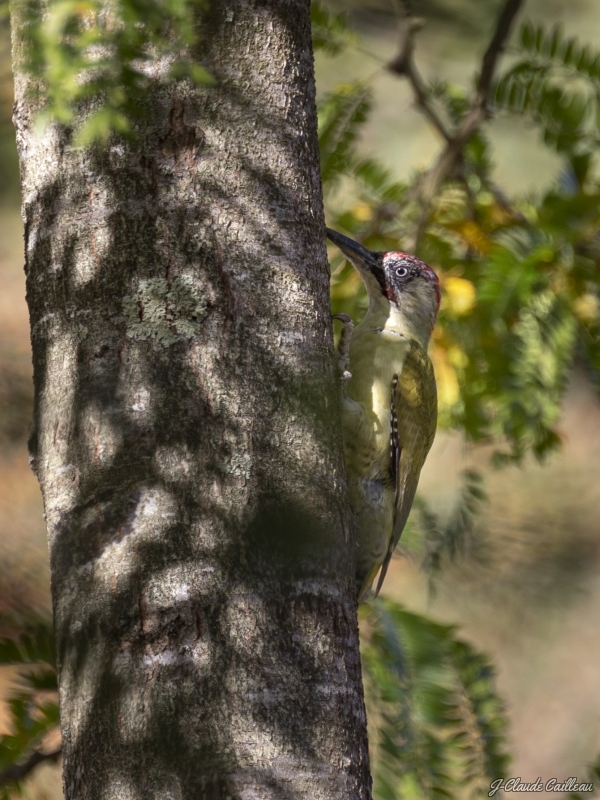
x: 587, y: 307
x: 457, y: 357
x: 363, y: 212
x: 445, y: 377
x: 473, y: 235
x: 459, y: 294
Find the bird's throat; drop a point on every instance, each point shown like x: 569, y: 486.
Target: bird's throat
x: 394, y: 321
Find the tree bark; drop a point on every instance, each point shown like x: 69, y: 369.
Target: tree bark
x: 186, y: 436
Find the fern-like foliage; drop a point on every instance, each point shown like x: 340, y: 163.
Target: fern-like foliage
x: 452, y: 540
x: 32, y: 643
x: 83, y: 50
x: 520, y: 276
x: 436, y: 724
x: 342, y: 114
x: 33, y: 703
x: 330, y: 32
x: 556, y: 80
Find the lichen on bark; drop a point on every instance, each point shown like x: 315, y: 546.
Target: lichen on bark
x: 164, y: 312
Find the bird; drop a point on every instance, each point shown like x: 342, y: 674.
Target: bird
x: 388, y: 398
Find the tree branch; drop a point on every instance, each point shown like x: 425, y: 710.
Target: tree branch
x: 496, y: 47
x: 502, y: 200
x: 19, y: 771
x: 403, y: 64
x: 477, y: 114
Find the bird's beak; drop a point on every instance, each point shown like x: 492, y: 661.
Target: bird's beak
x: 359, y: 256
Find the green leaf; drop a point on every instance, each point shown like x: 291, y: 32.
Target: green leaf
x: 555, y: 41
x: 571, y: 53
x: 527, y: 36
x: 436, y: 725
x: 33, y: 700
x: 79, y: 55
x: 32, y: 644
x: 330, y: 32
x: 342, y: 114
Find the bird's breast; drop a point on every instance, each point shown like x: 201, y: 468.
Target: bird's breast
x: 374, y: 360
x: 375, y: 357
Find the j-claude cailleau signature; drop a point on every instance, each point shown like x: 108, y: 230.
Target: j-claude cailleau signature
x: 551, y: 785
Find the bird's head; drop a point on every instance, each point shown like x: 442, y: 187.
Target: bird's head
x: 410, y: 286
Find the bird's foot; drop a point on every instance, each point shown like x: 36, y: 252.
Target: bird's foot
x: 344, y: 349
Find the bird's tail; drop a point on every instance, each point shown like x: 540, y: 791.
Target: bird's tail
x: 366, y: 584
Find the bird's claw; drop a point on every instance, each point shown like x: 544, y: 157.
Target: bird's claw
x: 344, y: 345
x: 344, y: 350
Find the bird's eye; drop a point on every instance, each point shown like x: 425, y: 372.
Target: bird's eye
x: 401, y: 272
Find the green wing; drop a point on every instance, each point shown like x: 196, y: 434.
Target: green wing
x: 415, y: 403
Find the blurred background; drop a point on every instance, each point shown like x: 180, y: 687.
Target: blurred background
x: 527, y: 588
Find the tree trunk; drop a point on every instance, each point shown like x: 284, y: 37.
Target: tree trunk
x: 186, y: 435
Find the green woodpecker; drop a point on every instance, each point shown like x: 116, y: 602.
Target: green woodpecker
x: 389, y: 404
